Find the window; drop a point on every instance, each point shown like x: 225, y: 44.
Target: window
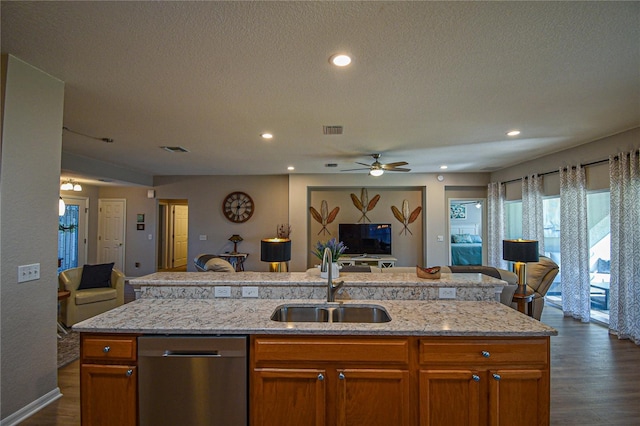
x: 598, y: 221
x: 513, y: 219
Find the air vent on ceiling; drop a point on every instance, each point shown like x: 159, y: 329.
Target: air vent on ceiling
x: 174, y: 149
x: 332, y: 130
x: 331, y: 165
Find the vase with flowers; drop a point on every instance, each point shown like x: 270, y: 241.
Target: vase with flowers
x: 337, y: 248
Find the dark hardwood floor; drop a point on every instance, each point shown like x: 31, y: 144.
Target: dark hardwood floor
x: 595, y: 379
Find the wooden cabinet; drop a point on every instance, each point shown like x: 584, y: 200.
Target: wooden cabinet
x: 330, y: 381
x: 108, y: 380
x: 464, y: 381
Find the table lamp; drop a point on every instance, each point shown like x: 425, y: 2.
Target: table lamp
x: 276, y: 251
x: 235, y: 239
x: 520, y: 251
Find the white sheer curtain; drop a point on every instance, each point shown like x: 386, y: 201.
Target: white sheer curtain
x: 532, y: 217
x: 624, y: 313
x: 574, y: 243
x: 495, y: 224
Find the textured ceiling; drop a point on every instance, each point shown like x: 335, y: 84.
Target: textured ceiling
x: 431, y: 83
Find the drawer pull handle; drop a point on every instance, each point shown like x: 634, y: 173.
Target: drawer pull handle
x: 475, y: 378
x: 320, y: 377
x: 106, y: 349
x: 496, y: 376
x: 341, y: 376
x: 486, y: 354
x: 129, y: 372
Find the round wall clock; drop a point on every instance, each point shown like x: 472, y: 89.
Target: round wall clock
x: 237, y: 207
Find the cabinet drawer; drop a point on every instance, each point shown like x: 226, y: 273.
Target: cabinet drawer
x: 391, y: 350
x: 473, y: 351
x: 108, y: 348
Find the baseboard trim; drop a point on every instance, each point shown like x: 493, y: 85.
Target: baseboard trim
x: 31, y: 408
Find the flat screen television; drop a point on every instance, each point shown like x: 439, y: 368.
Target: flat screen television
x: 365, y: 238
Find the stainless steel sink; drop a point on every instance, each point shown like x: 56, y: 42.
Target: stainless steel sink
x: 366, y: 313
x: 330, y: 313
x: 300, y: 313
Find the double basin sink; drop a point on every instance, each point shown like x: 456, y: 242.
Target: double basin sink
x: 330, y: 313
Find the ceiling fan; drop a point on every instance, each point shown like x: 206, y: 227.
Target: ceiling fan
x: 377, y: 168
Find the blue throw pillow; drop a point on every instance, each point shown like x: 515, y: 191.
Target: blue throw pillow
x: 96, y: 276
x: 461, y: 238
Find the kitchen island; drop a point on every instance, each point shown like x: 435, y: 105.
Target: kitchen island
x: 435, y: 362
x: 431, y: 362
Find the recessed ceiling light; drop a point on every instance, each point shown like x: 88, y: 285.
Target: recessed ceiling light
x: 340, y: 60
x: 291, y: 168
x: 443, y: 167
x: 266, y: 136
x: 513, y: 133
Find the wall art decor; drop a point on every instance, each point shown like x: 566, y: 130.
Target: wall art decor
x: 458, y: 211
x: 324, y: 217
x: 363, y: 204
x: 404, y: 217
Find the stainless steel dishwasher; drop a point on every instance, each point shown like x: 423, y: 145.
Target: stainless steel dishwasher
x: 192, y: 380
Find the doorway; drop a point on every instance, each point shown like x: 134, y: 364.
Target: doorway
x: 466, y: 231
x: 173, y: 235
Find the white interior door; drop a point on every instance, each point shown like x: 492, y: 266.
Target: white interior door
x: 180, y: 235
x: 111, y: 231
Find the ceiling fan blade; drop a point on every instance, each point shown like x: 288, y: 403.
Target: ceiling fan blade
x: 396, y: 164
x: 351, y: 170
x: 363, y: 164
x: 395, y: 169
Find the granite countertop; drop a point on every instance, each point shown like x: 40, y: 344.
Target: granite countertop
x: 311, y: 277
x: 252, y: 316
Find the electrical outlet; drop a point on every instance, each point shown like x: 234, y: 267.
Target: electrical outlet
x: 28, y: 272
x: 249, y: 291
x: 222, y: 291
x: 447, y: 293
x: 203, y: 238
x: 440, y: 238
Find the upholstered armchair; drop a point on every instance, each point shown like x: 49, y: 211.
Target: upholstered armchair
x: 540, y: 276
x: 86, y: 303
x: 506, y: 296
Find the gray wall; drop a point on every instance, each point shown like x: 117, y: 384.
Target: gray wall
x: 30, y: 172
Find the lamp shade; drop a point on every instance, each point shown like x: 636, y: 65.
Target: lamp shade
x: 275, y: 250
x: 520, y: 250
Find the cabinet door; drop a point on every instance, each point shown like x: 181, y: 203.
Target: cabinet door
x: 108, y: 395
x: 452, y: 397
x: 372, y: 397
x: 518, y: 397
x: 288, y: 397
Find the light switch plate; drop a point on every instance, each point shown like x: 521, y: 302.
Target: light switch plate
x: 28, y: 272
x: 447, y: 293
x: 222, y: 291
x: 249, y: 291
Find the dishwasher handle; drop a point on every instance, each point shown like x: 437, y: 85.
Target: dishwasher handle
x: 191, y: 354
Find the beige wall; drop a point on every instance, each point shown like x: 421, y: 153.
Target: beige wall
x: 597, y: 175
x: 407, y: 247
x: 30, y: 172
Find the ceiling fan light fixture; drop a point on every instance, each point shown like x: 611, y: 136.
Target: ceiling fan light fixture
x: 376, y: 172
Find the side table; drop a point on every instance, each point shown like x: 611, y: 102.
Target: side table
x: 522, y: 296
x: 62, y: 294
